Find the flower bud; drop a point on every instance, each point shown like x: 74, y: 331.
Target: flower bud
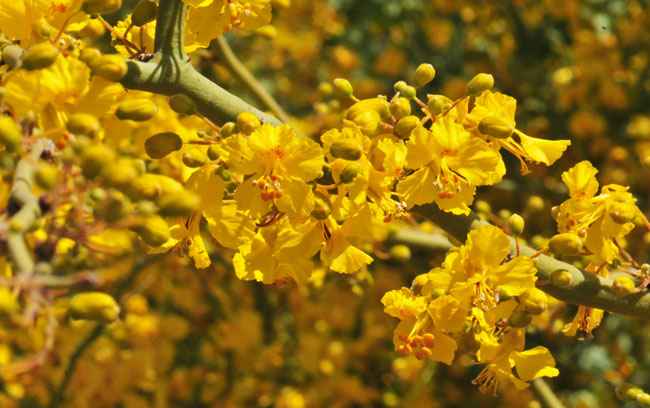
x: 183, y: 104
x: 8, y: 304
x: 153, y: 230
x: 379, y: 105
x: 12, y: 55
x: 405, y: 126
x: 119, y: 174
x: 520, y: 319
x: 534, y: 204
x: 101, y: 6
x: 325, y: 89
x: 322, y: 206
x: 643, y: 400
x: 495, y: 126
x: 561, y: 278
x: 397, y: 87
x: 479, y: 84
x: 94, y: 159
x: 568, y: 244
x: 228, y: 129
x: 401, y: 253
x: 516, y: 224
x: 555, y: 211
x: 40, y: 56
x: 247, y: 123
x: 623, y: 285
x: 213, y: 152
x: 160, y: 145
x: 628, y: 392
x: 96, y: 306
x: 181, y: 203
x: 408, y: 92
x: 534, y: 301
x: 82, y: 124
x: 224, y: 173
x: 87, y: 55
x: 138, y: 110
x: 483, y: 207
x: 622, y: 213
x: 400, y: 107
x: 112, y: 67
x: 344, y: 86
x: 348, y: 149
x: 350, y: 172
x: 144, y: 12
x: 436, y: 104
x: 10, y: 134
x: 369, y: 122
x: 194, y: 158
x: 46, y: 176
x: 93, y: 29
x: 423, y: 75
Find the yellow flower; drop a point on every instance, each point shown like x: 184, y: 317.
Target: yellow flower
x: 146, y: 39
x: 280, y: 163
x: 208, y: 19
x: 401, y: 303
x: 585, y: 320
x: 186, y: 234
x: 599, y: 219
x: 448, y: 164
x: 527, y: 148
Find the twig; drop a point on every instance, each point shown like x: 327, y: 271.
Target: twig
x: 545, y: 395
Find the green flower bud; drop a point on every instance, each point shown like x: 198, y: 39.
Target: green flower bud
x: 401, y: 253
x: 82, y: 124
x: 160, y: 145
x: 399, y: 85
x: 247, y: 123
x: 112, y: 67
x: 12, y: 55
x: 96, y: 306
x: 101, y: 6
x: 93, y: 29
x: 325, y: 89
x: 153, y: 230
x: 194, y: 158
x: 405, y: 126
x: 350, y: 172
x: 520, y: 319
x: 10, y: 134
x: 623, y: 285
x: 213, y: 152
x: 568, y: 244
x: 534, y: 301
x: 344, y: 86
x: 138, y: 110
x: 144, y: 12
x: 400, y: 107
x: 495, y: 126
x: 555, y: 211
x: 436, y: 104
x: 561, y: 278
x: 483, y: 207
x: 120, y: 174
x: 46, y: 176
x: 348, y: 149
x: 94, y: 159
x: 534, y: 204
x: 322, y: 206
x: 224, y: 173
x: 423, y: 75
x: 182, y: 104
x: 479, y: 84
x: 228, y: 129
x: 181, y: 203
x: 40, y: 56
x: 628, y: 392
x: 369, y: 122
x: 87, y: 55
x: 408, y: 92
x: 643, y: 400
x: 516, y: 224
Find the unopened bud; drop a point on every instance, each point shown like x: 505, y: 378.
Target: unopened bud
x: 555, y: 211
x: 400, y: 107
x: 93, y: 29
x: 520, y: 319
x: 87, y: 55
x: 177, y: 204
x: 12, y: 55
x: 643, y: 400
x: 423, y: 75
x: 495, y: 126
x: 96, y: 306
x: 322, y: 206
x: 160, y: 145
x: 483, y: 207
x: 534, y: 301
x: 534, y: 204
x: 628, y: 392
x: 405, y: 126
x: 398, y: 86
x: 101, y: 6
x: 144, y: 12
x: 568, y: 244
x: 224, y: 173
x: 325, y: 89
x: 10, y: 134
x: 350, y: 172
x: 46, y: 176
x: 622, y: 213
x: 623, y: 286
x: 112, y: 67
x: 95, y: 158
x: 344, y: 86
x: 247, y: 123
x: 401, y: 253
x: 408, y: 92
x: 119, y: 174
x: 153, y: 230
x: 194, y: 158
x: 138, y: 110
x: 82, y: 124
x: 516, y: 224
x: 228, y: 129
x: 183, y: 104
x: 369, y: 122
x: 561, y: 278
x: 436, y: 104
x: 40, y: 56
x: 379, y: 105
x: 213, y: 152
x: 479, y: 84
x: 8, y: 304
x: 348, y: 149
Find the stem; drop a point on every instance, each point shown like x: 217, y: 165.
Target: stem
x: 545, y: 395
x: 244, y: 75
x: 420, y: 239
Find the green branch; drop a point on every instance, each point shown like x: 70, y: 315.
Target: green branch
x: 545, y: 394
